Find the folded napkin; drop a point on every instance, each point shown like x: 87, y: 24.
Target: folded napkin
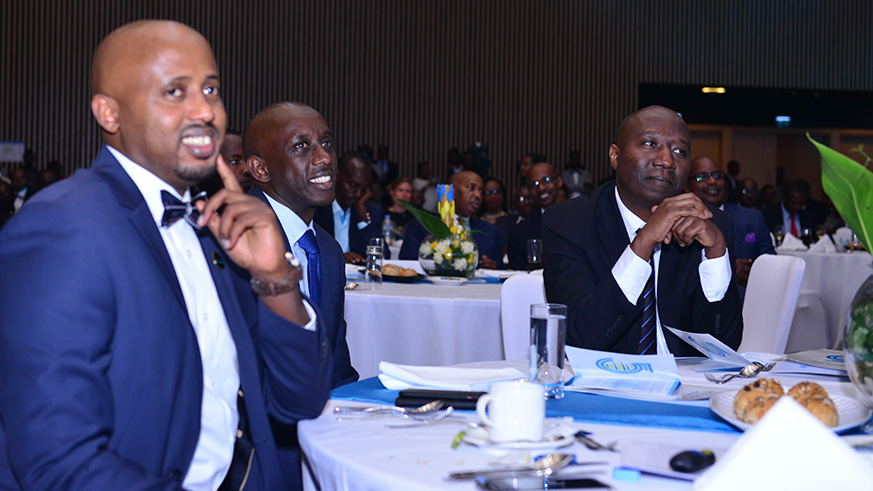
x: 788, y: 449
x: 354, y: 271
x: 399, y: 377
x: 791, y: 243
x: 825, y: 244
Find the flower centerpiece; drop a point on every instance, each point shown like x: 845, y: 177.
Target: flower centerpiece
x: 849, y: 184
x: 448, y: 250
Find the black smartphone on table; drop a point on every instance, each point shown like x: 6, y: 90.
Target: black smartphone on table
x: 532, y: 482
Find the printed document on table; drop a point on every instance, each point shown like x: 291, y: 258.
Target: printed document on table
x: 619, y: 372
x: 712, y: 348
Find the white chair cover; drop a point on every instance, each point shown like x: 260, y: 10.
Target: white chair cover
x: 771, y: 299
x: 518, y: 293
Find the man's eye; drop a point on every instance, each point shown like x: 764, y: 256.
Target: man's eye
x: 327, y: 144
x: 175, y: 92
x: 235, y: 162
x: 301, y: 145
x: 681, y: 151
x: 211, y: 90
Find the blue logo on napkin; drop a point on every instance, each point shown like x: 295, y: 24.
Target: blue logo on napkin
x: 750, y: 238
x: 606, y: 364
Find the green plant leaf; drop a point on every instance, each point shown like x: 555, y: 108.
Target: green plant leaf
x: 433, y: 224
x: 850, y: 186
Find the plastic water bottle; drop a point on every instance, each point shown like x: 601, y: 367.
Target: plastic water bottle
x: 387, y: 225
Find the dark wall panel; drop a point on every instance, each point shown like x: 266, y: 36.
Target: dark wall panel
x: 424, y: 76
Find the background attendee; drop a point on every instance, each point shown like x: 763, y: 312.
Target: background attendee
x: 138, y: 356
x: 494, y: 204
x: 21, y: 187
x: 468, y: 200
x: 747, y: 195
x: 231, y: 150
x: 400, y: 188
x: 385, y: 170
x: 767, y: 197
x: 625, y: 270
x: 352, y: 219
x: 576, y: 177
x: 751, y: 236
x: 791, y: 214
x: 731, y: 181
x: 290, y: 156
x: 544, y: 183
x: 425, y: 183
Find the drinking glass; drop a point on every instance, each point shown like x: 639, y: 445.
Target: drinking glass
x: 534, y: 254
x: 373, y: 274
x: 779, y: 233
x: 806, y: 236
x: 548, y: 333
x: 820, y: 232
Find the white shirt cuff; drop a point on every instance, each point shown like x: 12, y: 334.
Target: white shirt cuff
x: 715, y: 276
x: 631, y: 273
x: 310, y: 326
x: 362, y: 224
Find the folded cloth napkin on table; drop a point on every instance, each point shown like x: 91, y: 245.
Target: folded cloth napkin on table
x: 398, y: 377
x: 788, y: 449
x: 825, y: 244
x: 791, y: 243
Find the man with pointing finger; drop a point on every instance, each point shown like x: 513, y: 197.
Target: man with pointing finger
x: 148, y: 342
x: 638, y: 256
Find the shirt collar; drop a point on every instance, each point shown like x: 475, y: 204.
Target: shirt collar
x: 632, y: 223
x: 149, y: 185
x: 338, y: 210
x: 293, y: 226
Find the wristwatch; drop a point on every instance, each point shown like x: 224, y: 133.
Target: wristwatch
x: 285, y: 285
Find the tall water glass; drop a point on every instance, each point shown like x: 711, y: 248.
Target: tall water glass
x: 548, y: 333
x: 374, y: 267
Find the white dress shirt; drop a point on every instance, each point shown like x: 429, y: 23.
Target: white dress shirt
x: 219, y: 417
x: 631, y: 272
x: 786, y: 222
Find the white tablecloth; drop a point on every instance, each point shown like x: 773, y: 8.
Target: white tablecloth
x: 829, y: 285
x: 423, y: 324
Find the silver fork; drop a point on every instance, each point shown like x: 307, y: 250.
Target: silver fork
x: 746, y: 372
x: 431, y: 419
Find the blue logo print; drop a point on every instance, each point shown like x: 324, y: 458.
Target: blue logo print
x: 606, y: 364
x: 708, y: 346
x: 837, y: 358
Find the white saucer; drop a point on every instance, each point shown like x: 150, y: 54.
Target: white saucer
x: 852, y: 413
x: 479, y: 437
x: 447, y: 280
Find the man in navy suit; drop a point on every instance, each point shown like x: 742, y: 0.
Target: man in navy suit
x: 468, y: 199
x: 544, y: 183
x: 352, y: 219
x: 751, y: 236
x: 289, y: 154
x: 639, y: 256
x: 792, y: 214
x: 133, y: 352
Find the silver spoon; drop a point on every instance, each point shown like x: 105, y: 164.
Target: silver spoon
x: 549, y: 464
x: 424, y: 408
x: 423, y: 420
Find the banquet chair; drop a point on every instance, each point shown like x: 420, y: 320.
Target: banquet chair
x: 771, y: 299
x: 517, y: 294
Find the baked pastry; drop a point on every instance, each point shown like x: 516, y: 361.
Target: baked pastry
x: 395, y: 270
x: 756, y: 398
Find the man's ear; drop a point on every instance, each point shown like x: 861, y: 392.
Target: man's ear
x: 257, y: 169
x: 613, y: 156
x: 105, y: 110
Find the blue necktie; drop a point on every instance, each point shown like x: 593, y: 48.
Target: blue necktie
x: 176, y: 209
x: 313, y: 265
x: 647, y: 335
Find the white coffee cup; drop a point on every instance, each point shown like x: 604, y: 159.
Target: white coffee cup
x: 513, y: 411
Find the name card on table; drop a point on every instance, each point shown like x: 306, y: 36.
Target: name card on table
x: 712, y: 348
x: 619, y: 372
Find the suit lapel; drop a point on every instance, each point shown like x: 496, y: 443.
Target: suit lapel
x: 130, y: 198
x: 613, y: 235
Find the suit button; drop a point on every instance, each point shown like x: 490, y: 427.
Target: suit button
x: 176, y: 474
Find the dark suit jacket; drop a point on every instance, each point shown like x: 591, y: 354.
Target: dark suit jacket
x: 358, y: 238
x: 751, y: 236
x: 487, y: 240
x: 519, y: 234
x: 332, y: 308
x: 773, y: 215
x: 582, y: 240
x: 100, y: 374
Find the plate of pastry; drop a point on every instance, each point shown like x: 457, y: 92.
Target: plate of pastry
x: 399, y: 274
x: 744, y: 408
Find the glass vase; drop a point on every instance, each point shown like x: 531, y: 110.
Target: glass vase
x: 859, y: 341
x: 456, y: 255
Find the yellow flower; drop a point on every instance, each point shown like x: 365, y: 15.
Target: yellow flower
x: 433, y: 245
x: 454, y: 229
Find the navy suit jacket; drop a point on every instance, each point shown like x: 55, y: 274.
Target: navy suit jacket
x: 100, y: 373
x: 332, y: 308
x: 752, y: 238
x: 582, y: 240
x: 487, y: 240
x: 358, y: 238
x: 519, y: 234
x: 773, y: 215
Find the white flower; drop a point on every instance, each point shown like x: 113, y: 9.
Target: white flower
x: 467, y: 246
x: 460, y: 264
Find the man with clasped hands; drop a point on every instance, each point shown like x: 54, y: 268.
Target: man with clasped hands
x: 599, y: 254
x: 134, y: 353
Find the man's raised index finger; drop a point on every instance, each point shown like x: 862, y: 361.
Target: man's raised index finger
x: 228, y: 178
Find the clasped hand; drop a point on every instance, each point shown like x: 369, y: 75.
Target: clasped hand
x: 683, y: 219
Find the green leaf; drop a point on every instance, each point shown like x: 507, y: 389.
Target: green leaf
x: 850, y: 186
x: 433, y: 224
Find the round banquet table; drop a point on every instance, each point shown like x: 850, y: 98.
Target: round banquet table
x: 829, y: 285
x: 423, y: 324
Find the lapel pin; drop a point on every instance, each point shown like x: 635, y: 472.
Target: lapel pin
x: 218, y: 260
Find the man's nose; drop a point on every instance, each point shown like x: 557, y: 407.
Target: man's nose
x: 203, y: 108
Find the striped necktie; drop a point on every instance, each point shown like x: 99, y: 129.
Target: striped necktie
x: 313, y: 265
x: 647, y: 334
